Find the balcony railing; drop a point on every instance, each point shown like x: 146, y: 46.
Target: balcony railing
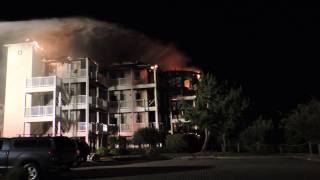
x: 119, y: 82
x: 125, y: 127
x: 79, y: 73
x: 140, y: 125
x: 47, y: 81
x: 91, y: 126
x: 38, y: 111
x: 141, y: 103
x: 99, y: 103
x: 119, y: 104
x: 79, y: 99
x: 82, y: 126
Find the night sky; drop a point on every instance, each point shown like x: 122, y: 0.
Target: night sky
x: 271, y: 52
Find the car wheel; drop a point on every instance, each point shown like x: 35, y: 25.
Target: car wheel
x: 33, y: 171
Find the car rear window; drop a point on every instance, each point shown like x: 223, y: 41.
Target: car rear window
x: 64, y: 143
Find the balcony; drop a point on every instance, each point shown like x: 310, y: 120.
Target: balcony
x: 78, y: 73
x: 125, y: 127
x: 119, y: 104
x: 119, y: 82
x: 79, y: 99
x: 99, y: 103
x: 82, y: 126
x: 47, y: 83
x: 91, y: 126
x: 102, y: 128
x: 39, y: 111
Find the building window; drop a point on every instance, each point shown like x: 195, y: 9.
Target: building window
x: 122, y: 96
x: 113, y: 119
x: 137, y: 75
x: 138, y: 96
x: 113, y: 75
x: 138, y: 118
x: 122, y: 118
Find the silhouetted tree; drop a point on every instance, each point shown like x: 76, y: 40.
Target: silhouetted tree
x: 303, y: 124
x: 206, y: 110
x: 233, y: 105
x: 257, y: 132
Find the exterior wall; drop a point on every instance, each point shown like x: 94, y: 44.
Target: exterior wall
x: 19, y: 67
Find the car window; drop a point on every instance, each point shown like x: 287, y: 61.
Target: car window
x: 44, y: 143
x: 25, y: 143
x: 64, y: 143
x: 1, y: 143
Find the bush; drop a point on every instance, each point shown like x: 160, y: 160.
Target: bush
x: 17, y: 173
x: 118, y: 152
x: 113, y: 141
x: 147, y: 135
x: 177, y: 143
x: 102, y: 151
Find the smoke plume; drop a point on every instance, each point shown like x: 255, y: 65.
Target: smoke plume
x: 82, y: 37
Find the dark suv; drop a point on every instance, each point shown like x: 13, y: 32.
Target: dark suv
x: 37, y: 154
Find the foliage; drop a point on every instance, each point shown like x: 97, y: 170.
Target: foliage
x: 118, y: 152
x: 177, y: 143
x: 303, y: 124
x: 206, y: 111
x: 102, y: 151
x: 147, y: 135
x: 257, y: 132
x: 122, y: 141
x: 113, y: 141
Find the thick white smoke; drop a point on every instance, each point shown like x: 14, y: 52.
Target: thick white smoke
x: 78, y: 37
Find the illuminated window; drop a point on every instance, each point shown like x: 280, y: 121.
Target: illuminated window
x: 186, y: 83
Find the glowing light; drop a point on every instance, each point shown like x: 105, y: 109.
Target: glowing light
x: 198, y: 76
x: 27, y: 40
x: 36, y: 44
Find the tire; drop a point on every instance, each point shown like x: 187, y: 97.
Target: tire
x: 33, y: 171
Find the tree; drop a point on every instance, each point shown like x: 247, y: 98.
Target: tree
x: 257, y: 132
x: 206, y: 110
x: 303, y: 124
x: 232, y: 107
x: 147, y: 135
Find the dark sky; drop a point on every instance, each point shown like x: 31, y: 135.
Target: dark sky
x: 272, y: 52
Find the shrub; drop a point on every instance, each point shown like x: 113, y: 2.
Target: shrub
x: 118, y: 152
x: 177, y: 143
x: 147, y: 135
x: 113, y: 141
x: 102, y: 151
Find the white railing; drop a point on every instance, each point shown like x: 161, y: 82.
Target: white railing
x: 41, y: 81
x: 79, y: 73
x: 99, y: 103
x: 141, y: 103
x: 125, y: 127
x: 140, y: 125
x: 79, y: 99
x: 38, y: 111
x: 82, y: 126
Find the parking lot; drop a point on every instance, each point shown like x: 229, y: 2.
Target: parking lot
x: 246, y: 169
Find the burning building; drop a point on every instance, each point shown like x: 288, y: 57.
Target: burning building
x: 133, y: 97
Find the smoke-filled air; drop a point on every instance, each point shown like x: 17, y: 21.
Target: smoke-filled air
x: 84, y: 37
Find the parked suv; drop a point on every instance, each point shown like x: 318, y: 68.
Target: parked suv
x: 37, y: 154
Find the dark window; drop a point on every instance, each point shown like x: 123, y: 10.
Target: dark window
x: 44, y: 143
x: 139, y: 118
x: 1, y: 143
x: 113, y: 120
x: 121, y: 74
x: 138, y: 96
x: 137, y: 75
x: 122, y: 97
x: 64, y: 143
x: 113, y: 75
x: 25, y: 143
